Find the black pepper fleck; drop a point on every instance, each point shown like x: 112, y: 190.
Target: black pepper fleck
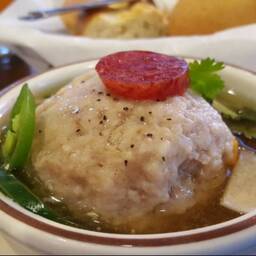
x: 125, y: 108
x: 163, y: 158
x: 89, y: 120
x: 83, y: 82
x: 100, y: 93
x: 98, y: 99
x: 100, y: 165
x: 149, y: 135
x: 101, y: 122
x: 162, y: 138
x: 104, y: 118
x: 40, y: 131
x: 150, y: 112
x: 100, y: 133
x: 125, y: 162
x: 78, y: 130
x: 168, y: 119
x: 142, y: 118
x: 108, y: 94
x: 132, y: 146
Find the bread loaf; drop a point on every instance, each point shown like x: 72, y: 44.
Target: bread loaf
x: 191, y: 17
x: 139, y: 20
x: 143, y: 19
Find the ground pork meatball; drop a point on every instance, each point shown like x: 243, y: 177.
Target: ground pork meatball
x: 122, y: 159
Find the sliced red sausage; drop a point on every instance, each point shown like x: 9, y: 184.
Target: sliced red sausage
x: 142, y: 75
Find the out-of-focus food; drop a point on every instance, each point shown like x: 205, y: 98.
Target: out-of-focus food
x: 191, y: 17
x: 144, y: 18
x: 4, y: 4
x: 136, y: 20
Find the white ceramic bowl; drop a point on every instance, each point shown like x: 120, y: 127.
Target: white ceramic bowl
x: 234, y: 236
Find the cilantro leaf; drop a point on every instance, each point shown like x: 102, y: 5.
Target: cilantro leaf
x: 204, y: 78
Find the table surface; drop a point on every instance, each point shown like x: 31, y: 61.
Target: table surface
x: 12, y: 68
x: 5, y: 247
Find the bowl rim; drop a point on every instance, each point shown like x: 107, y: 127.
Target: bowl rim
x: 200, y: 236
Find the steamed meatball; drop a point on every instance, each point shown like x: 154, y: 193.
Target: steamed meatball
x: 123, y: 159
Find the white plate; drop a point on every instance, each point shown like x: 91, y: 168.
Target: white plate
x: 48, y: 38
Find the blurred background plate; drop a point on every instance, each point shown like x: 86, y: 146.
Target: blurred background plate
x: 50, y: 41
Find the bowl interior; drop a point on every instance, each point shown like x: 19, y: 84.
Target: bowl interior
x: 236, y: 79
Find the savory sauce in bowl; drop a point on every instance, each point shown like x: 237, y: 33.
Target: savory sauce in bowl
x: 153, y: 161
x: 199, y: 216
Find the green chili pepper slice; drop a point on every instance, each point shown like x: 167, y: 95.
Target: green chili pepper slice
x: 18, y: 192
x: 15, y: 151
x: 19, y: 137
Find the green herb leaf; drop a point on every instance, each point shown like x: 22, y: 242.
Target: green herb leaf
x: 204, y: 78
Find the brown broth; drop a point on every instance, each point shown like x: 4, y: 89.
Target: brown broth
x: 198, y: 216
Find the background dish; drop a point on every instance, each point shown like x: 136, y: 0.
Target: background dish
x: 234, y: 46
